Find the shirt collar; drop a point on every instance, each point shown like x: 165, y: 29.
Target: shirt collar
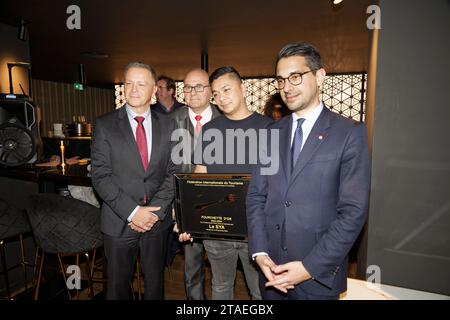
x: 131, y: 114
x: 311, y: 116
x: 205, y: 114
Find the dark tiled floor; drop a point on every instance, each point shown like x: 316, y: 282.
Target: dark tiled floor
x: 174, y: 282
x: 53, y: 288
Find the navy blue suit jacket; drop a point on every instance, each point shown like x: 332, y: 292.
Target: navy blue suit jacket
x: 314, y: 213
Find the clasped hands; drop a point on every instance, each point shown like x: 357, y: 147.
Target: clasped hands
x: 284, y: 276
x: 144, y: 219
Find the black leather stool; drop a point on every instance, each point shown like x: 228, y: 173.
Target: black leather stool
x: 13, y: 224
x: 61, y: 226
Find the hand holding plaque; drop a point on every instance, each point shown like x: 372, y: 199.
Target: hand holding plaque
x: 212, y: 206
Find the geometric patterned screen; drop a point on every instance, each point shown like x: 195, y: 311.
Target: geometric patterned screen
x: 119, y: 94
x: 346, y: 94
x: 259, y: 91
x: 342, y: 93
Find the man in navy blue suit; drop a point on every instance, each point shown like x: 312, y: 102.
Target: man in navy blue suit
x: 303, y: 219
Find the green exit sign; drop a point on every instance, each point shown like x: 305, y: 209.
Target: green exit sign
x: 78, y: 86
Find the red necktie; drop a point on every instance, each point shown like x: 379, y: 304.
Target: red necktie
x: 141, y: 140
x: 198, y: 125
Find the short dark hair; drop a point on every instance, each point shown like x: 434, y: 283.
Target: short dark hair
x: 302, y: 49
x: 170, y: 83
x: 137, y: 64
x: 274, y: 100
x: 223, y: 71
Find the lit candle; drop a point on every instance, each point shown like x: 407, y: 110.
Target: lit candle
x: 63, y: 160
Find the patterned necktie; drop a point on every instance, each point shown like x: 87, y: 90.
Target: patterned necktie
x: 198, y: 125
x: 141, y: 140
x: 297, y: 143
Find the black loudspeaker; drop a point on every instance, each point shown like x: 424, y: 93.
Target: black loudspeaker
x: 18, y: 130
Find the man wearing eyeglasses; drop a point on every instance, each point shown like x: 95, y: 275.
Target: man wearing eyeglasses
x: 303, y: 220
x: 197, y: 112
x: 165, y: 96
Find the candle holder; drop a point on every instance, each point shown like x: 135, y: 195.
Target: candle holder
x: 63, y: 156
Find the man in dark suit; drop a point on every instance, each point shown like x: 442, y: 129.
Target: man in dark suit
x: 199, y: 110
x: 304, y: 219
x: 165, y: 96
x: 132, y: 173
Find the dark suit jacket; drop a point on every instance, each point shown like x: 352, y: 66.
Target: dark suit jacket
x: 181, y: 118
x: 119, y: 177
x: 315, y: 213
x: 158, y: 107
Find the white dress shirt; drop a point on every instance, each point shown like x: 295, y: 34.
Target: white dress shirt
x: 310, y: 119
x: 206, y: 116
x: 147, y: 123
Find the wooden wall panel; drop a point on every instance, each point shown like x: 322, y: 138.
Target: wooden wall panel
x: 60, y: 101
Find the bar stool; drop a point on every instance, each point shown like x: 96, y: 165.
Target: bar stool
x: 13, y: 224
x: 65, y: 226
x: 138, y: 279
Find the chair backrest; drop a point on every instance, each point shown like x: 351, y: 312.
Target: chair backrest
x: 64, y: 225
x: 13, y: 221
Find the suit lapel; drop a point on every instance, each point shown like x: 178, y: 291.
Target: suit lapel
x: 189, y: 126
x: 156, y: 140
x: 285, y: 153
x: 214, y: 114
x: 317, y: 135
x: 127, y: 134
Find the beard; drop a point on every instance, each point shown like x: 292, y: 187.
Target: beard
x: 294, y: 107
x: 301, y: 102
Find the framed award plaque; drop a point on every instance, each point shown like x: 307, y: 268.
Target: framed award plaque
x: 212, y: 206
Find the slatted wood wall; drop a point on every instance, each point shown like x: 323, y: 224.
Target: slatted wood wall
x: 60, y: 101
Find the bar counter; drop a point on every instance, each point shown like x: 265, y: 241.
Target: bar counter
x: 75, y: 174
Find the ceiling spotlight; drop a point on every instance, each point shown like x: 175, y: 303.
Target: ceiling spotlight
x: 337, y: 1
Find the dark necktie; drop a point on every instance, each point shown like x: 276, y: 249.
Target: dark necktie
x: 297, y: 142
x: 141, y: 140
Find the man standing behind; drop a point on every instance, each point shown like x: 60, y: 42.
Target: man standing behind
x: 199, y: 110
x: 229, y: 94
x: 132, y: 172
x: 165, y: 96
x: 304, y: 219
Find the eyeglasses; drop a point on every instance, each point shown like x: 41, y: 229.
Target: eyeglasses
x: 197, y: 88
x: 295, y: 79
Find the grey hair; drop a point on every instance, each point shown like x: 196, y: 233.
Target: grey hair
x: 141, y: 65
